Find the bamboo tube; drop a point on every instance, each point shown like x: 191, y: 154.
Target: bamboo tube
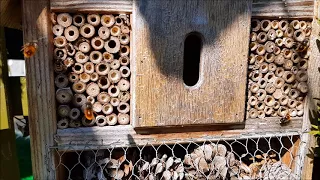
x: 79, y: 87
x: 59, y: 67
x: 260, y: 105
x: 284, y: 100
x: 114, y: 102
x: 295, y: 24
x: 256, y: 76
x: 270, y: 77
x: 303, y: 25
x: 274, y: 114
x: 87, y: 30
x: 269, y: 46
x: 293, y: 94
x: 292, y: 103
x: 300, y: 113
x: 74, y: 113
x: 295, y: 57
x: 91, y: 99
x: 101, y: 120
x: 57, y: 30
x: 115, y: 31
x: 63, y: 123
x: 275, y: 24
x: 279, y: 42
x: 60, y: 54
x: 294, y: 84
x: 270, y: 88
x: 125, y: 71
x: 268, y: 110
x: 262, y: 37
x: 261, y: 114
x: 74, y: 124
x: 103, y: 82
x: 123, y: 107
x: 300, y: 98
x: 63, y: 110
x: 124, y: 96
x: 113, y: 91
x: 303, y: 64
x: 261, y: 94
x: 94, y: 77
x: 279, y: 33
x: 265, y: 25
x: 88, y: 67
x: 107, y: 109
x: 286, y: 88
x: 123, y: 119
x: 71, y: 33
x: 78, y: 42
x: 279, y: 82
x: 269, y: 100
x: 107, y: 20
x: 299, y: 35
x: 253, y: 36
x: 293, y: 112
x: 78, y: 68
x: 64, y: 19
x: 303, y: 87
x: 287, y: 53
x: 272, y: 35
x: 114, y: 76
x: 93, y: 89
x: 115, y: 64
x: 252, y: 58
x: 288, y: 64
x: 60, y: 41
x: 102, y: 68
x: 277, y: 94
x: 299, y: 105
x: 254, y: 87
x: 78, y: 20
x: 259, y: 59
x: 283, y: 25
x: 279, y: 72
x: 79, y: 100
x: 253, y: 113
x: 307, y: 32
x: 95, y: 57
x: 288, y: 42
x: 276, y: 50
x: 97, y: 107
x: 104, y: 32
x: 125, y: 29
x: 124, y: 60
x: 63, y: 96
x: 53, y: 18
x: 124, y: 85
x: 124, y: 39
x: 61, y: 81
x: 124, y: 50
x: 81, y: 58
x: 112, y: 119
x: 73, y: 77
x: 84, y: 77
x: 272, y: 67
x: 112, y: 45
x: 255, y: 25
x: 288, y: 32
x: 118, y: 21
x: 302, y: 76
x: 276, y: 105
x: 103, y: 98
x: 93, y: 19
x: 253, y: 100
x: 283, y: 111
x: 97, y: 43
x: 70, y: 49
x: 88, y: 123
x: 84, y: 47
x: 108, y: 57
x: 264, y: 68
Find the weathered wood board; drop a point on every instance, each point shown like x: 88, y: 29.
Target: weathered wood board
x: 160, y: 96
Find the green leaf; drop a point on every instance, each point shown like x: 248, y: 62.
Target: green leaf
x: 314, y: 127
x: 315, y: 132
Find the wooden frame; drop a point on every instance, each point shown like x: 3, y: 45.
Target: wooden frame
x: 42, y: 109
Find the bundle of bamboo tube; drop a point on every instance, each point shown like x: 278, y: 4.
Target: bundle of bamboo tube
x: 91, y: 54
x: 278, y: 62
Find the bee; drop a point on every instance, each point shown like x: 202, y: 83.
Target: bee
x: 29, y: 49
x: 285, y: 120
x: 88, y: 111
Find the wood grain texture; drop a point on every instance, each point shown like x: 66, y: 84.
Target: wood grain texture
x: 92, y: 5
x: 122, y: 136
x: 160, y: 95
x: 283, y: 8
x: 10, y: 14
x: 40, y: 87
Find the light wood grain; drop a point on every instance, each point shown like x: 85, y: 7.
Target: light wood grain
x: 40, y: 87
x: 160, y: 28
x: 92, y: 5
x: 283, y: 8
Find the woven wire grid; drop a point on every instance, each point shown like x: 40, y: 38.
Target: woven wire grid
x: 273, y: 157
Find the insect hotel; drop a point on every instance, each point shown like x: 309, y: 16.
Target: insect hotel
x: 194, y: 89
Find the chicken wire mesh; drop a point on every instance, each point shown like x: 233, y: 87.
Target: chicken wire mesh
x: 275, y: 156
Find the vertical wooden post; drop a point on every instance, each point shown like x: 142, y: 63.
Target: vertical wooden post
x: 40, y: 87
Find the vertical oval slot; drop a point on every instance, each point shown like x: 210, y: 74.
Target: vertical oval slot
x: 191, y: 58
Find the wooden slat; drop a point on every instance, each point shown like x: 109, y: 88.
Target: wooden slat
x: 92, y: 5
x: 120, y: 136
x: 40, y: 87
x: 160, y: 95
x: 283, y: 8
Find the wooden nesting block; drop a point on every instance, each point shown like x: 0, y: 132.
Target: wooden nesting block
x: 161, y: 96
